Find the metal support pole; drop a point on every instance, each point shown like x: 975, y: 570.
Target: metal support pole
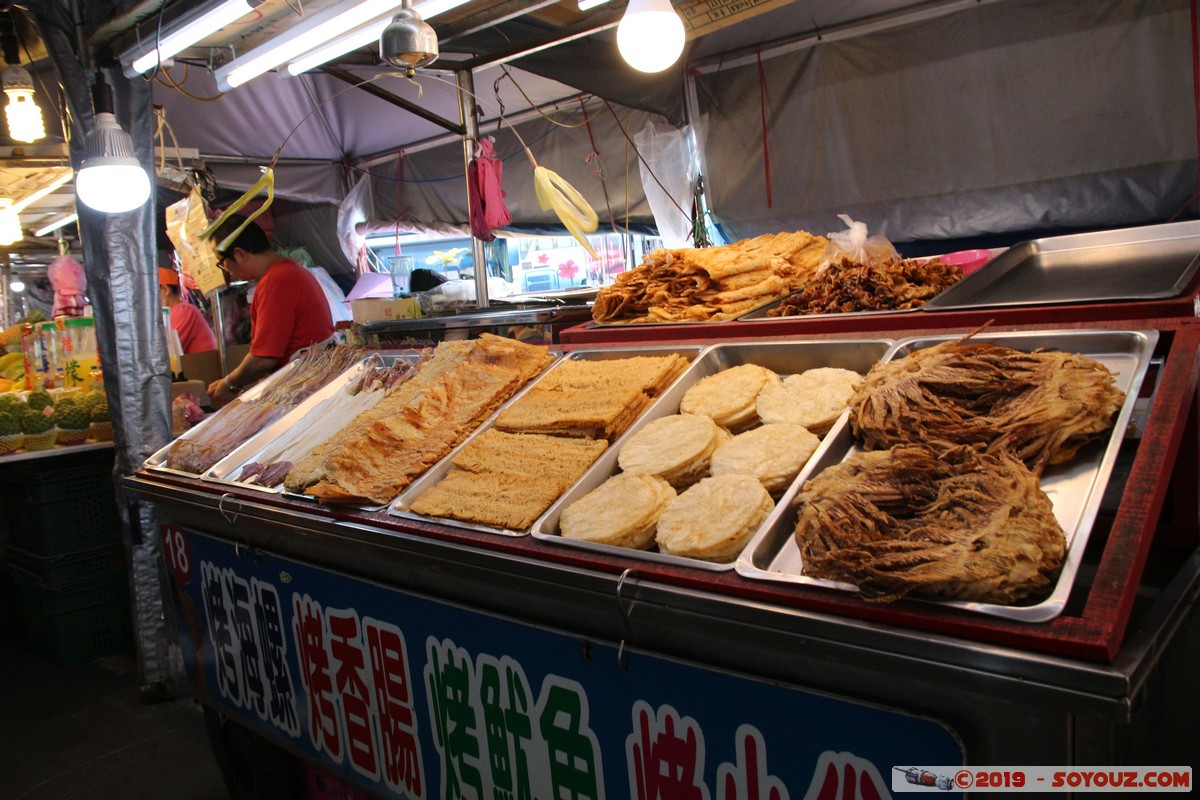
x: 470, y: 121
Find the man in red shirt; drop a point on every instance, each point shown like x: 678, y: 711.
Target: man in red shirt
x: 289, y: 310
x: 195, y: 334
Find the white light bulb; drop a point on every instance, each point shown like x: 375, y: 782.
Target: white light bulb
x: 17, y: 285
x: 650, y: 35
x: 111, y: 179
x: 24, y: 116
x: 112, y: 188
x: 10, y: 223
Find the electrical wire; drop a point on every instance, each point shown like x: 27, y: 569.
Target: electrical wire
x: 163, y: 77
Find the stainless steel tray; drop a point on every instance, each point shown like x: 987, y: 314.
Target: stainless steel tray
x: 1076, y: 490
x: 305, y: 421
x: 744, y: 314
x: 759, y: 314
x: 1146, y: 263
x: 783, y: 357
x: 400, y: 506
x: 157, y: 461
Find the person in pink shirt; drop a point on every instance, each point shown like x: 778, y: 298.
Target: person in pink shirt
x: 195, y: 334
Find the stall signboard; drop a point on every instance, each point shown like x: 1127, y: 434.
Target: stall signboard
x: 410, y: 697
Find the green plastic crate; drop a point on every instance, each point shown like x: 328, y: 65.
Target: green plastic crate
x: 105, y: 563
x: 65, y: 511
x: 76, y: 623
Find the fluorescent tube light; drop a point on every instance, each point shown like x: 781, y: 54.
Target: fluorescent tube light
x: 313, y: 32
x: 56, y: 224
x: 189, y: 29
x: 584, y: 5
x: 363, y: 36
x: 10, y: 223
x: 33, y: 197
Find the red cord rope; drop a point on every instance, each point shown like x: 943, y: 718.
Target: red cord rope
x: 1196, y: 89
x: 762, y: 94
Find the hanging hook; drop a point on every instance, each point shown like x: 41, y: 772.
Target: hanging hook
x: 229, y: 515
x: 625, y: 613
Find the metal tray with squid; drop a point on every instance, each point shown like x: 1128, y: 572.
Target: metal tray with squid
x: 158, y: 460
x: 300, y: 430
x: 1075, y: 489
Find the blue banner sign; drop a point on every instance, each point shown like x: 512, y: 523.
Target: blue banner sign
x: 412, y: 698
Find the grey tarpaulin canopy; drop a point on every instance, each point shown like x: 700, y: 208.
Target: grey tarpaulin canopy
x: 932, y: 122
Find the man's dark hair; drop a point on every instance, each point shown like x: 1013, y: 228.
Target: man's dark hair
x: 253, y: 239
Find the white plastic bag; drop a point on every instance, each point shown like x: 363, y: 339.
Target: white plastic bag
x: 855, y: 245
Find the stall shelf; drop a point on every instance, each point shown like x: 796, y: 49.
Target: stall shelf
x: 635, y: 649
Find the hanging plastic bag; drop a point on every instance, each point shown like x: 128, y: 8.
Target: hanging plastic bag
x: 185, y: 219
x: 856, y: 246
x: 485, y: 174
x: 70, y: 285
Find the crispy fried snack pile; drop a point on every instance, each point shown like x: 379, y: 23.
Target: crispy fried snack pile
x: 385, y: 448
x: 847, y: 286
x: 710, y: 284
x: 1041, y: 406
x: 950, y: 523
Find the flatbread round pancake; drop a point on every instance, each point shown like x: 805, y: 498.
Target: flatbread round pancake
x: 677, y: 448
x: 774, y: 454
x: 814, y: 398
x: 621, y: 512
x: 715, y: 519
x: 728, y: 396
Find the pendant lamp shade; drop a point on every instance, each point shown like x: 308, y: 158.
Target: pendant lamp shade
x: 408, y: 42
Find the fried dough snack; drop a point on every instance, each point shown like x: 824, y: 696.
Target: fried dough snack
x: 711, y: 283
x: 942, y: 522
x: 848, y: 286
x: 383, y: 449
x: 1041, y: 406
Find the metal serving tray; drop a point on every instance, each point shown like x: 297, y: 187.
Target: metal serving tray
x: 305, y: 418
x: 1146, y: 263
x: 1076, y: 490
x: 743, y: 315
x: 158, y: 460
x: 400, y: 506
x: 783, y: 357
x: 759, y: 314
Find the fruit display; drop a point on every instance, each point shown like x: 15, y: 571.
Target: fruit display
x: 39, y: 430
x: 39, y: 399
x: 12, y: 370
x: 11, y: 436
x: 72, y: 421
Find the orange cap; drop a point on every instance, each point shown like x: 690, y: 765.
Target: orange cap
x: 167, y: 277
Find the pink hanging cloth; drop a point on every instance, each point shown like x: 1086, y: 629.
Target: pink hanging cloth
x: 484, y: 175
x: 70, y: 285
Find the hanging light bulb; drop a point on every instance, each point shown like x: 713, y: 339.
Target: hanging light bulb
x: 110, y: 179
x: 17, y: 285
x: 650, y: 35
x: 10, y: 223
x: 23, y: 114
